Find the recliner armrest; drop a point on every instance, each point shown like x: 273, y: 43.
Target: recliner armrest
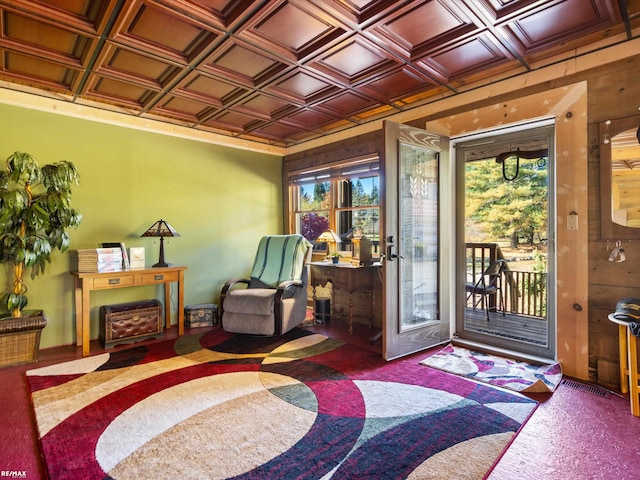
x: 230, y: 283
x: 288, y: 289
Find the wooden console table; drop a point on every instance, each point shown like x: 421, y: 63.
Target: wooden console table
x: 85, y: 283
x: 343, y: 276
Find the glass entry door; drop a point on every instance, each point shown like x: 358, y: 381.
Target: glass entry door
x: 505, y: 259
x: 412, y: 314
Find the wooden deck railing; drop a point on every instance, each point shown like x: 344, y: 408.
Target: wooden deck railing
x: 524, y: 293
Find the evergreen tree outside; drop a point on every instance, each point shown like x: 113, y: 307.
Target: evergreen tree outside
x: 512, y: 212
x: 365, y: 193
x: 315, y: 205
x: 501, y: 209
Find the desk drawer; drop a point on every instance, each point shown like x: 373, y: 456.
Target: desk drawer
x: 160, y: 277
x: 125, y: 280
x: 321, y: 274
x: 338, y: 276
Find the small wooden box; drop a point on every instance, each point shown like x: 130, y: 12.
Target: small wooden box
x: 130, y: 322
x: 201, y: 315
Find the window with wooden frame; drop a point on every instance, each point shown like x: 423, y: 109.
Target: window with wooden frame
x: 341, y: 197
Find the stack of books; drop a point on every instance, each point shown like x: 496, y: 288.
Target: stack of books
x: 99, y: 260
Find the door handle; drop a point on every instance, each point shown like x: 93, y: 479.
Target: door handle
x: 391, y: 254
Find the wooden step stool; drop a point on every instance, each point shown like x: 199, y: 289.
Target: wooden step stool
x: 628, y: 344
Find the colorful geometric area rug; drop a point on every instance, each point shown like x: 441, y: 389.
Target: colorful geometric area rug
x: 495, y: 370
x: 301, y: 406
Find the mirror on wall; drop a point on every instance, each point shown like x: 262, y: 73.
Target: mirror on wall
x: 625, y: 179
x: 620, y: 177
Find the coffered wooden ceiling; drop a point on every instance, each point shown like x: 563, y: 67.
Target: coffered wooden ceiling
x: 286, y: 71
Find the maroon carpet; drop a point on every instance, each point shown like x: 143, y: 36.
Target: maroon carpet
x: 301, y: 406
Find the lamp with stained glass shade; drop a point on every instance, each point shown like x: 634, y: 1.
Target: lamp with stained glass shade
x: 331, y: 239
x: 161, y: 229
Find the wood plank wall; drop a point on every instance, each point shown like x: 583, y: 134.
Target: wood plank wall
x: 613, y: 91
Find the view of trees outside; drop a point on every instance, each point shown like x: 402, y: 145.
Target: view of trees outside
x: 364, y: 192
x: 510, y: 213
x: 360, y: 193
x: 315, y: 200
x: 312, y: 225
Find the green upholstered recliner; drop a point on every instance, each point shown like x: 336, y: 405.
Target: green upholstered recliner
x: 274, y: 299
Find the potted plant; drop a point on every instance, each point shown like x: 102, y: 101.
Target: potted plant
x: 335, y: 257
x: 35, y: 214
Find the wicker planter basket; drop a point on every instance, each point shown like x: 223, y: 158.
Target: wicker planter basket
x: 20, y: 338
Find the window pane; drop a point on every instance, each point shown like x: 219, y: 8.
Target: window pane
x: 314, y: 196
x: 359, y: 222
x: 359, y: 192
x: 312, y: 224
x: 418, y: 208
x: 353, y: 211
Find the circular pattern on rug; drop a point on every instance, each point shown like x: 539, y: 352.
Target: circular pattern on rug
x: 301, y: 406
x: 186, y: 416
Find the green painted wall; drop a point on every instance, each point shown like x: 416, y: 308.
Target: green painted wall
x: 221, y: 200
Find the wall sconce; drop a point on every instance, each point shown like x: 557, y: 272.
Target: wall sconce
x: 331, y: 239
x: 161, y: 229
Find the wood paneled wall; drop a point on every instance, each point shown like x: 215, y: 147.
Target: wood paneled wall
x: 613, y: 91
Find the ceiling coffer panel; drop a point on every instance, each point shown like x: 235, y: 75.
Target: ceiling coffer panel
x: 244, y: 64
x: 284, y: 72
x: 157, y: 31
x: 293, y: 29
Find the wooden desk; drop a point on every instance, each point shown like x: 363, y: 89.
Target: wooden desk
x: 85, y: 283
x: 344, y: 276
x: 628, y: 364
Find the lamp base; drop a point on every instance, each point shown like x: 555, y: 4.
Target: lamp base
x: 161, y: 262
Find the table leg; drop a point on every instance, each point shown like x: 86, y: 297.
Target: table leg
x: 313, y: 303
x: 167, y: 304
x: 372, y: 305
x: 86, y: 339
x: 350, y: 313
x: 634, y: 390
x: 332, y: 307
x: 181, y: 303
x: 77, y: 297
x: 622, y: 340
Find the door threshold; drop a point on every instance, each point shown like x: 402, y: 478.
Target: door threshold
x: 502, y: 352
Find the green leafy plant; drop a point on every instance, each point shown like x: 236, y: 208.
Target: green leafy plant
x: 35, y: 213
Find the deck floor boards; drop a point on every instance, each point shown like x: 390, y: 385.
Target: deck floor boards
x: 509, y: 325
